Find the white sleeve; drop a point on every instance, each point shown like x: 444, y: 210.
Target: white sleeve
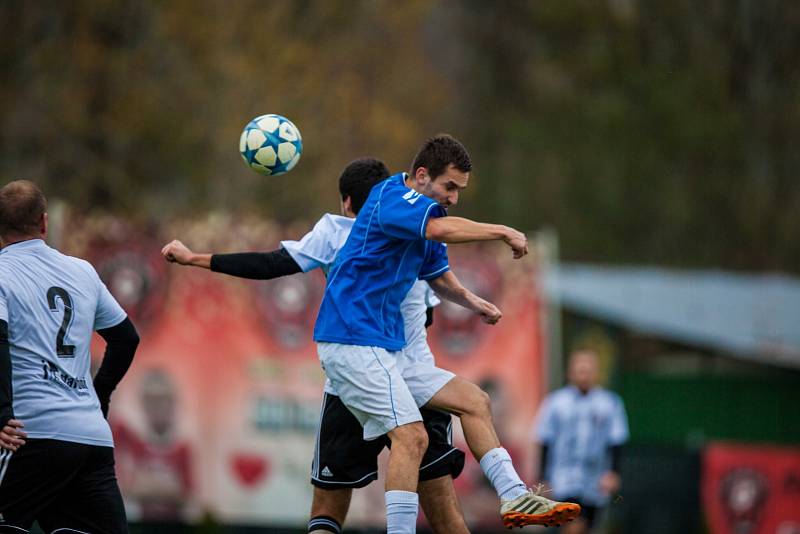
x: 618, y: 433
x: 545, y: 428
x: 431, y: 299
x: 108, y: 313
x: 319, y: 247
x: 3, y: 305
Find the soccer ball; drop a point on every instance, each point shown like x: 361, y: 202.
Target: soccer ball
x: 271, y: 145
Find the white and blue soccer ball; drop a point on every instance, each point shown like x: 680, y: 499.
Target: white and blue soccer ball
x: 271, y: 145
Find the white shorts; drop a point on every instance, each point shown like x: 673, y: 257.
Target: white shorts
x: 420, y: 373
x: 368, y: 381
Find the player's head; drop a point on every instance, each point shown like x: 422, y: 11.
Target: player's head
x: 23, y: 212
x: 356, y: 181
x: 584, y: 369
x: 441, y: 169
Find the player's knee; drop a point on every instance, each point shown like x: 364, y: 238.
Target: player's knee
x: 419, y: 440
x: 481, y: 403
x: 412, y: 438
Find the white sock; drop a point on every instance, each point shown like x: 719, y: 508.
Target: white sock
x: 497, y: 467
x: 401, y: 512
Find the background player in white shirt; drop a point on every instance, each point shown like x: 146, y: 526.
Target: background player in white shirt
x: 56, y: 449
x: 581, y: 428
x: 343, y: 460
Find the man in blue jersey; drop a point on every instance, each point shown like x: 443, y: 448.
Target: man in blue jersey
x: 343, y: 460
x: 56, y: 449
x: 399, y: 236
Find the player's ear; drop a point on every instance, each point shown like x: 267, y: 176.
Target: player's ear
x: 421, y: 175
x: 347, y: 207
x: 43, y: 224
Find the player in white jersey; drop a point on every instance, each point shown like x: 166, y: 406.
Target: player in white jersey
x: 343, y: 460
x: 581, y: 428
x: 56, y: 448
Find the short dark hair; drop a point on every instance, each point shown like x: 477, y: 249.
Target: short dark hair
x: 358, y: 178
x: 438, y: 153
x: 22, y: 205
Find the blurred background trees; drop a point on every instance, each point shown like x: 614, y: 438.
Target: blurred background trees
x: 645, y: 131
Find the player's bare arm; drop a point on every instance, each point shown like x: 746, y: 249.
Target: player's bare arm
x: 461, y: 230
x: 449, y: 287
x: 176, y: 252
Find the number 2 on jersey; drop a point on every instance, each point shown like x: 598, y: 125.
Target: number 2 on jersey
x: 63, y: 351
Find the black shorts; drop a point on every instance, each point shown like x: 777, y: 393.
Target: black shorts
x: 343, y: 459
x: 65, y: 486
x: 588, y: 512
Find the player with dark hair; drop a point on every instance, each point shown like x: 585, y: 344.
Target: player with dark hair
x: 343, y: 460
x: 398, y: 237
x: 56, y: 448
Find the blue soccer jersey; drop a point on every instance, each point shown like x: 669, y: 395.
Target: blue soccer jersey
x: 384, y: 255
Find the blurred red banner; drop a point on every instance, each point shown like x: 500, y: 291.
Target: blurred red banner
x: 752, y: 489
x: 218, y: 414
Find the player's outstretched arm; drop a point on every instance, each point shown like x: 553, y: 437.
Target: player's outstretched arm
x: 460, y: 230
x: 449, y: 287
x: 252, y: 265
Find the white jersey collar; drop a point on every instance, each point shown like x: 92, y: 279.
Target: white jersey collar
x: 23, y: 245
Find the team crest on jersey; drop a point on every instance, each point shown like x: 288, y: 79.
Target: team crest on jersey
x: 411, y: 197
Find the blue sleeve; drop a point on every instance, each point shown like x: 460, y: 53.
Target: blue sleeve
x: 436, y: 262
x: 403, y: 213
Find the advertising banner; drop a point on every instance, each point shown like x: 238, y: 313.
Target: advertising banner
x: 218, y: 414
x: 752, y: 489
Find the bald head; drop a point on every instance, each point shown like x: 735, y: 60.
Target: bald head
x: 584, y: 370
x: 23, y: 209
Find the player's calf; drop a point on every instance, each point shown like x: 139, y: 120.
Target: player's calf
x: 329, y: 510
x: 466, y: 400
x: 440, y: 503
x: 402, y: 502
x: 408, y: 446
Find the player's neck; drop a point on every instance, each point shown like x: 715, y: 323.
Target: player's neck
x: 410, y: 184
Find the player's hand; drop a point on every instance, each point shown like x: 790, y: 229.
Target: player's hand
x: 609, y: 483
x: 518, y: 242
x: 11, y: 436
x: 489, y: 313
x: 177, y: 252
